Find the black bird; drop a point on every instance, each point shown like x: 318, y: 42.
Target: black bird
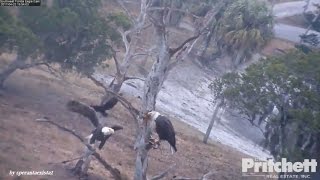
x: 102, y: 133
x: 164, y: 128
x: 106, y: 106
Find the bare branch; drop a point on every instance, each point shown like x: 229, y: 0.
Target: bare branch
x: 133, y: 111
x: 170, y: 10
x: 146, y: 26
x: 140, y: 54
x: 204, y: 177
x: 207, y: 176
x: 128, y: 78
x: 66, y: 161
x: 164, y: 173
x: 173, y: 9
x: 185, y: 178
x: 126, y: 10
x: 53, y: 71
x: 209, y: 17
x: 26, y: 66
x: 130, y: 46
x: 114, y: 55
x: 125, y: 39
x: 98, y: 83
x: 114, y: 171
x: 244, y: 117
x: 174, y: 50
x: 62, y: 128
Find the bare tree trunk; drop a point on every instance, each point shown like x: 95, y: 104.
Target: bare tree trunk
x: 238, y: 58
x: 205, y: 44
x: 313, y: 20
x: 152, y: 86
x: 12, y: 67
x: 130, y: 49
x: 16, y: 64
x: 86, y: 161
x: 214, y: 117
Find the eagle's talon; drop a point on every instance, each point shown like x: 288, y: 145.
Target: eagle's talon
x: 154, y: 142
x: 162, y: 126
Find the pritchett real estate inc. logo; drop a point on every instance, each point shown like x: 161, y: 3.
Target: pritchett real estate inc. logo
x: 269, y: 168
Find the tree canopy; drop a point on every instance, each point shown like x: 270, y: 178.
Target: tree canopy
x: 240, y: 28
x: 283, y: 92
x: 71, y: 33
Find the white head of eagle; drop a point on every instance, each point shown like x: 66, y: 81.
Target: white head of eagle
x: 102, y: 133
x: 163, y: 126
x: 153, y: 115
x: 107, y: 131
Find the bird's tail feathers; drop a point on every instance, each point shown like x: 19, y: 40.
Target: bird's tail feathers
x: 89, y: 137
x: 173, y: 149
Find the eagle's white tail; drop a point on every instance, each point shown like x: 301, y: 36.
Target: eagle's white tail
x: 172, y: 150
x: 89, y: 137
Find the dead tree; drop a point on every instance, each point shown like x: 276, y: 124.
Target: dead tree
x: 155, y: 11
x: 83, y: 163
x: 78, y: 167
x: 131, y: 46
x: 18, y: 63
x: 153, y: 83
x: 218, y: 107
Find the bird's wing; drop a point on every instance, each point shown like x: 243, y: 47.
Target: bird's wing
x: 165, y: 130
x: 103, y: 141
x: 116, y: 127
x: 84, y: 110
x: 111, y: 103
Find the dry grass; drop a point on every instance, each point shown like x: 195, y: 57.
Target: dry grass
x: 28, y: 145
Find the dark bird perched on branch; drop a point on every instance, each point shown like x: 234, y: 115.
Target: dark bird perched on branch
x: 163, y: 126
x: 102, y: 134
x: 106, y: 106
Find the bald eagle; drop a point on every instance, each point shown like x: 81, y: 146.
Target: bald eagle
x: 106, y: 106
x: 163, y: 127
x: 102, y: 133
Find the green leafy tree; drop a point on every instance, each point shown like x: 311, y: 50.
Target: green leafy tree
x: 244, y: 28
x: 289, y: 84
x: 241, y: 27
x: 70, y: 33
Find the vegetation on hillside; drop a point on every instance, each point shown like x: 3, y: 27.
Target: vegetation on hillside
x: 281, y: 92
x: 241, y: 28
x: 70, y: 33
x: 284, y: 93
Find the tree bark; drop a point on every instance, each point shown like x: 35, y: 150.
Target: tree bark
x: 16, y: 64
x: 238, y: 58
x: 214, y: 117
x: 86, y: 161
x: 130, y: 49
x: 205, y: 44
x: 152, y: 86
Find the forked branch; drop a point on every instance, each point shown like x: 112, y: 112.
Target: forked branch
x: 114, y: 171
x: 164, y: 173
